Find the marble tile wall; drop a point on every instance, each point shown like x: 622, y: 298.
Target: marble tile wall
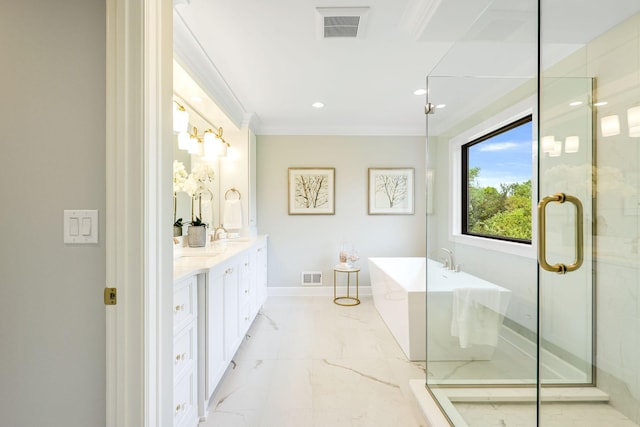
x: 614, y: 59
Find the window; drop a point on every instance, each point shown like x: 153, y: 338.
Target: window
x: 496, y: 183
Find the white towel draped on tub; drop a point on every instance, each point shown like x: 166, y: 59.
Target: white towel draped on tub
x: 477, y: 316
x: 232, y: 214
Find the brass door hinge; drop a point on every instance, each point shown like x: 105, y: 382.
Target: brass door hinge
x: 110, y: 296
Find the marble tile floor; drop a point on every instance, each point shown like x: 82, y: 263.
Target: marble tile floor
x: 308, y: 362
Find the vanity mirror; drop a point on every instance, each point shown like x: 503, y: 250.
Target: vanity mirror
x: 208, y: 136
x: 195, y: 178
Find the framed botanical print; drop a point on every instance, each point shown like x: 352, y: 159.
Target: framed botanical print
x: 391, y: 191
x: 311, y: 191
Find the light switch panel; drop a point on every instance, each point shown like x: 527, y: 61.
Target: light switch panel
x: 81, y: 226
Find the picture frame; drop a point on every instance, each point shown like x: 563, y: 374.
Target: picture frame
x: 311, y: 191
x: 391, y: 191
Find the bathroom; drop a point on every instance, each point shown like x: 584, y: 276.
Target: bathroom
x: 577, y: 90
x: 78, y: 340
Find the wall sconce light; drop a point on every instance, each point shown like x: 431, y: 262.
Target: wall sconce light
x: 195, y: 142
x: 214, y: 144
x: 572, y: 144
x: 180, y: 118
x: 633, y: 121
x: 610, y: 125
x: 210, y: 144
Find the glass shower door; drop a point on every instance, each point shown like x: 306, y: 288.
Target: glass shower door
x: 590, y: 317
x: 565, y: 219
x: 482, y: 315
x: 481, y: 291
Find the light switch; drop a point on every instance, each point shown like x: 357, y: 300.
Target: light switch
x: 86, y: 226
x: 81, y: 226
x: 73, y: 226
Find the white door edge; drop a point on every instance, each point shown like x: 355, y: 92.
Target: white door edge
x: 138, y: 164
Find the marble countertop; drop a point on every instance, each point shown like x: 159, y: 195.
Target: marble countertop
x: 191, y: 261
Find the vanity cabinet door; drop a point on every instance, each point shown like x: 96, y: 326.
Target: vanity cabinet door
x: 261, y: 275
x: 215, y: 335
x: 231, y: 311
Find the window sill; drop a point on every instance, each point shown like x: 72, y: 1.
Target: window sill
x: 513, y: 248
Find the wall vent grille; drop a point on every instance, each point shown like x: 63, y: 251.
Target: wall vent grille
x: 311, y: 278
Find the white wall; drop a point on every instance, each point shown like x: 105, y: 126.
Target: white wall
x: 311, y: 242
x: 52, y: 116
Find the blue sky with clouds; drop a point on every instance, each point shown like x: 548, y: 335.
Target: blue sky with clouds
x: 505, y: 158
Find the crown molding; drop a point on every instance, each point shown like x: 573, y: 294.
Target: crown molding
x: 342, y: 131
x: 191, y: 55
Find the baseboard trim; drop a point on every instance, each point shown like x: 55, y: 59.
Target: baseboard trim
x: 313, y: 291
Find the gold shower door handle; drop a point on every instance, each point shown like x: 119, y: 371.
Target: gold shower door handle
x: 542, y: 238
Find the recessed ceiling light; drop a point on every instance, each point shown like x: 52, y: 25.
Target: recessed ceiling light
x: 196, y: 99
x: 317, y: 105
x: 600, y: 104
x: 419, y: 92
x: 575, y: 103
x: 441, y: 105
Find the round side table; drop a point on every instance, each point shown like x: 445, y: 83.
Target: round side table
x: 347, y: 300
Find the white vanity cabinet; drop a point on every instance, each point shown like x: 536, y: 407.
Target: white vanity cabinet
x: 185, y: 352
x: 230, y: 301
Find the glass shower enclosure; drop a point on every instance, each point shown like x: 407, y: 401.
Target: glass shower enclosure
x: 533, y: 126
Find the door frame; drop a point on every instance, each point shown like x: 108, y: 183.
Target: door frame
x: 139, y: 375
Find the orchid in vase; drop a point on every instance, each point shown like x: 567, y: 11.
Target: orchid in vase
x: 196, y: 184
x: 179, y: 178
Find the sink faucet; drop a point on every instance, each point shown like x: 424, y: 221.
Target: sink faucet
x: 449, y: 262
x: 218, y: 231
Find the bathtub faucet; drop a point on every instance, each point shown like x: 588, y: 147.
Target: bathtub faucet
x: 448, y: 263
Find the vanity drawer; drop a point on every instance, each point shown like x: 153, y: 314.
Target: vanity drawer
x: 184, y: 400
x: 184, y: 303
x: 184, y: 350
x: 245, y: 318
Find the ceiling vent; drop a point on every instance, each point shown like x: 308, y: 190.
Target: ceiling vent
x: 341, y: 22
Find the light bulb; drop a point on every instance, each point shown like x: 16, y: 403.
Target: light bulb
x: 221, y: 148
x: 210, y: 142
x: 195, y: 147
x: 180, y: 119
x: 184, y: 140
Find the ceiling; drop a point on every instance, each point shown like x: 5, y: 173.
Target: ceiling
x: 266, y: 62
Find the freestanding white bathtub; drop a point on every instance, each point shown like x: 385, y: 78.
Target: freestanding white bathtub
x: 465, y: 312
